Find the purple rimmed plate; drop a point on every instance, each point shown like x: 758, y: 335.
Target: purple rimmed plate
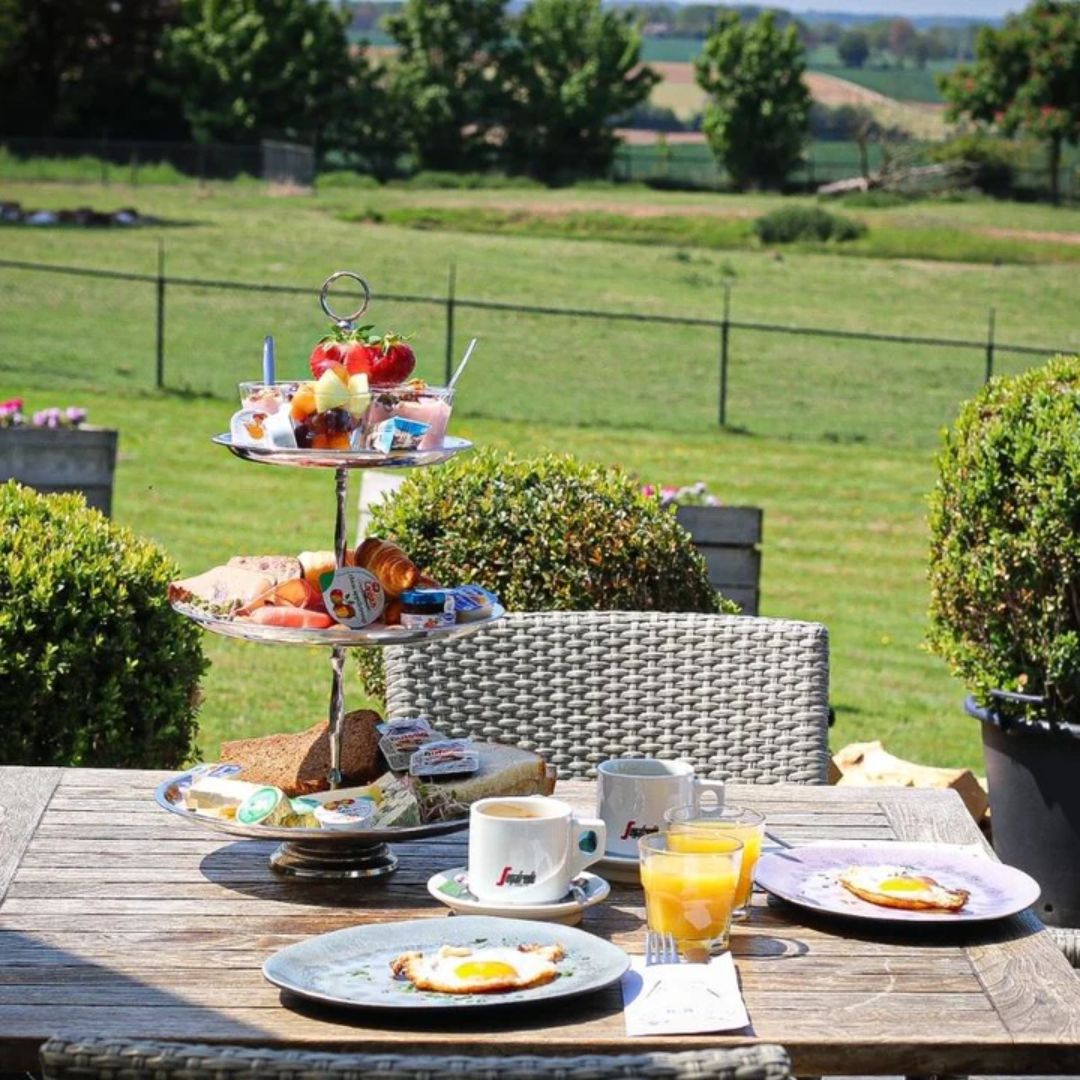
x: 809, y: 876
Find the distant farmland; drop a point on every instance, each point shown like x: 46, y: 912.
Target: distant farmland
x: 903, y: 84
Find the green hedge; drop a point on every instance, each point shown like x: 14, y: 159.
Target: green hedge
x: 95, y: 667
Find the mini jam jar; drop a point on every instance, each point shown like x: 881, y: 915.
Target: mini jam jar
x: 427, y: 609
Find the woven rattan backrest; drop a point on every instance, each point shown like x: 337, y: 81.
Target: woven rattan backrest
x: 104, y: 1059
x: 741, y: 698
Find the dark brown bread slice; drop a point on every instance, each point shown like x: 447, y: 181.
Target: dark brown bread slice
x: 278, y: 567
x: 299, y: 764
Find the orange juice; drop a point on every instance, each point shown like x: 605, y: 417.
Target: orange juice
x: 703, y: 835
x: 691, y: 894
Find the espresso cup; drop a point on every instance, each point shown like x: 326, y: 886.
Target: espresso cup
x: 528, y: 850
x: 633, y: 794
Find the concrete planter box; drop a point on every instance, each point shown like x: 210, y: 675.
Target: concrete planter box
x: 61, y: 460
x: 729, y: 538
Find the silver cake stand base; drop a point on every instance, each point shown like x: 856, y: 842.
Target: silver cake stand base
x: 333, y: 861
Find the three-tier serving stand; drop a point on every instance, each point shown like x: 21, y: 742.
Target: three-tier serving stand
x: 315, y: 852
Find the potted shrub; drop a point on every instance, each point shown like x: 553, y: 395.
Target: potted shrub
x: 727, y: 536
x: 57, y: 451
x: 1005, y: 611
x: 547, y: 534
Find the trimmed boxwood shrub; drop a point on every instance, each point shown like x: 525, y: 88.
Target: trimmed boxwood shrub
x: 790, y: 224
x: 95, y: 667
x: 1005, y: 539
x: 546, y: 534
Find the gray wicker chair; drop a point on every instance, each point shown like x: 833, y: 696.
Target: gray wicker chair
x: 742, y: 698
x: 106, y: 1059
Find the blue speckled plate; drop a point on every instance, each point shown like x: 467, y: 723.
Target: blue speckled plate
x: 352, y: 967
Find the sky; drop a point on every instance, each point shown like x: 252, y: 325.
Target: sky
x: 974, y: 9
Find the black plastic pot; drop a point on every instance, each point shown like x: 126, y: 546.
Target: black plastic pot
x: 1033, y: 770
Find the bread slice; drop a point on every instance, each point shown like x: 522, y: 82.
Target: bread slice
x: 277, y: 567
x: 504, y: 770
x: 299, y: 764
x: 221, y: 590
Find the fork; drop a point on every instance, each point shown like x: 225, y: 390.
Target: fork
x: 660, y: 948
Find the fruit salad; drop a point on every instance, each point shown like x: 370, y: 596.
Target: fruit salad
x: 361, y: 396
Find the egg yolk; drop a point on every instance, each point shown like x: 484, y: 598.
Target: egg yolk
x: 485, y: 969
x: 902, y: 884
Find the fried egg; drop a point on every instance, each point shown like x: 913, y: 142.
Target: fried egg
x: 901, y: 887
x: 463, y: 970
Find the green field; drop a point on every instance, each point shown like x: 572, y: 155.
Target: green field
x: 835, y: 438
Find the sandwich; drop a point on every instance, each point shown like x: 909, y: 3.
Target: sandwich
x: 222, y: 590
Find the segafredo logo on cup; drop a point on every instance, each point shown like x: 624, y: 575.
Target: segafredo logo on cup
x: 634, y: 831
x: 510, y: 876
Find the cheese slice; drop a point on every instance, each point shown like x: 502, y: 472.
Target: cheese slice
x: 215, y: 793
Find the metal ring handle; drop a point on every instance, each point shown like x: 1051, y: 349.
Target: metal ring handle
x: 325, y: 303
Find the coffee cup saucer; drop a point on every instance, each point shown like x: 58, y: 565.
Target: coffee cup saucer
x: 450, y: 887
x: 625, y: 869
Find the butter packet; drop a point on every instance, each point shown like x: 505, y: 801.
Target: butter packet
x: 472, y: 602
x: 444, y: 757
x: 345, y: 813
x: 401, y: 738
x: 267, y: 806
x: 398, y: 433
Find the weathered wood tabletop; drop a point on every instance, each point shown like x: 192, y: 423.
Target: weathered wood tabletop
x: 119, y: 919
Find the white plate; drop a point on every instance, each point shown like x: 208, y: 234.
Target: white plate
x: 352, y: 966
x: 376, y: 635
x: 345, y: 459
x: 808, y: 876
x: 450, y: 887
x: 625, y: 869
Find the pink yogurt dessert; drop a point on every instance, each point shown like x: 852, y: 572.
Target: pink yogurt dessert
x: 418, y: 402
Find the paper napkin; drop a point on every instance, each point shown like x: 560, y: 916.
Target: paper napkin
x: 682, y: 999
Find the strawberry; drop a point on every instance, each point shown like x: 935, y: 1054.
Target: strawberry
x: 329, y: 351
x: 338, y: 346
x: 392, y: 362
x: 357, y: 357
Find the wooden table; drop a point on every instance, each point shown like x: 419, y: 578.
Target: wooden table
x: 119, y: 919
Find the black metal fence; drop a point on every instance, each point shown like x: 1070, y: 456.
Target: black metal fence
x: 196, y: 336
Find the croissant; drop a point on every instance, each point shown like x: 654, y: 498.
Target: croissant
x: 394, y: 569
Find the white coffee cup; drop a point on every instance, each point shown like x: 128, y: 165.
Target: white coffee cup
x: 527, y: 850
x: 633, y: 794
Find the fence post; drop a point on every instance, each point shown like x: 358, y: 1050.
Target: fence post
x: 160, y: 378
x: 450, y: 286
x: 725, y: 329
x: 989, y: 348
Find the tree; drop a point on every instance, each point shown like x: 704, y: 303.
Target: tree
x: 1025, y: 78
x: 84, y: 67
x: 248, y: 69
x: 573, y: 68
x: 853, y: 49
x: 372, y: 131
x: 758, y: 116
x: 448, y: 68
x: 901, y: 35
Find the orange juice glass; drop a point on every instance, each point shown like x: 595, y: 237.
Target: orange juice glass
x: 698, y: 828
x: 690, y: 894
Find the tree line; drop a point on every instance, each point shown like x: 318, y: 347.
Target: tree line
x: 469, y: 85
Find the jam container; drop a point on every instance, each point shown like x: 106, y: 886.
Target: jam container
x: 427, y: 609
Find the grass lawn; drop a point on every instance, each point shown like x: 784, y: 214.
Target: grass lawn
x: 844, y: 544
x: 838, y: 437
